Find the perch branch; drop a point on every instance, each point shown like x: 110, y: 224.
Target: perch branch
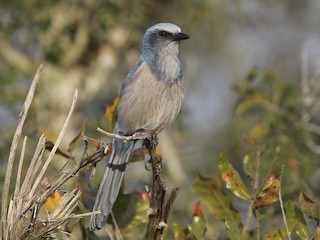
x: 159, y: 208
x: 135, y: 136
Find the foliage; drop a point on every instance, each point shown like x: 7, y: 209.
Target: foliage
x: 269, y: 112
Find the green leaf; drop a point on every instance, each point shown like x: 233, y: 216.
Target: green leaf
x: 232, y: 178
x: 178, y: 232
x: 216, y: 200
x: 234, y: 231
x: 259, y: 130
x: 296, y: 221
x: 130, y: 212
x: 290, y: 215
x: 248, y: 166
x: 275, y: 234
x: 309, y: 206
x: 245, y: 106
x: 198, y: 227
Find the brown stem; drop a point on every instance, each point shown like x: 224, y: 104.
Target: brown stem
x: 159, y: 207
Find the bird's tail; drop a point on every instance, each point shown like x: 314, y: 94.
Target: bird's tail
x: 111, y: 182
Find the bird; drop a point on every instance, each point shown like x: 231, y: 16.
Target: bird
x: 150, y: 98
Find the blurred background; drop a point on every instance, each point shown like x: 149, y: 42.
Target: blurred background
x: 247, y: 70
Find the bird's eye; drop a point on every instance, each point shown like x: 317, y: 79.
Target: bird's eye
x: 162, y: 33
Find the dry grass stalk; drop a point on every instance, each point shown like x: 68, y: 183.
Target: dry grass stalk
x: 21, y: 220
x: 16, y: 138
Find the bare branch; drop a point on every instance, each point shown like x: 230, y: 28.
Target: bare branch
x: 135, y: 136
x: 159, y: 208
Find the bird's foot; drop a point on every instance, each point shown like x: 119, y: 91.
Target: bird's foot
x: 154, y: 164
x: 148, y: 135
x: 148, y: 165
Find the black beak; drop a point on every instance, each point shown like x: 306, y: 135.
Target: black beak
x: 180, y: 36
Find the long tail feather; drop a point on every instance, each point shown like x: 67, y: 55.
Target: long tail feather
x: 111, y: 182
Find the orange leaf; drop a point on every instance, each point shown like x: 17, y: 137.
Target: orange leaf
x: 96, y: 144
x: 52, y: 201
x: 197, y: 210
x: 269, y: 193
x: 111, y: 112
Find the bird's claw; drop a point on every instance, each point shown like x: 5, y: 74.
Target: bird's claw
x: 148, y: 165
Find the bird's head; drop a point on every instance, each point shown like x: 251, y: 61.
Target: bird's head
x: 162, y: 37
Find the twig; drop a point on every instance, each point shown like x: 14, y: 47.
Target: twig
x: 248, y: 217
x: 55, y: 147
x: 257, y: 167
x: 16, y: 137
x: 17, y: 187
x: 159, y: 208
x: 254, y: 183
x: 257, y: 215
x: 119, y: 236
x: 255, y: 189
x: 82, y: 215
x: 167, y: 208
x: 33, y: 168
x: 281, y: 205
x: 135, y: 136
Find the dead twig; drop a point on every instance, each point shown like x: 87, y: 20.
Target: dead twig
x: 135, y: 136
x: 159, y: 208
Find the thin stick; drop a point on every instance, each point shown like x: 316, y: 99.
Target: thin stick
x: 135, y: 136
x: 281, y: 205
x: 257, y: 167
x: 17, y: 187
x: 82, y: 215
x: 255, y: 189
x: 25, y: 194
x: 248, y: 218
x: 55, y: 147
x: 33, y: 167
x: 257, y: 215
x: 173, y: 196
x: 16, y: 138
x: 119, y: 236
